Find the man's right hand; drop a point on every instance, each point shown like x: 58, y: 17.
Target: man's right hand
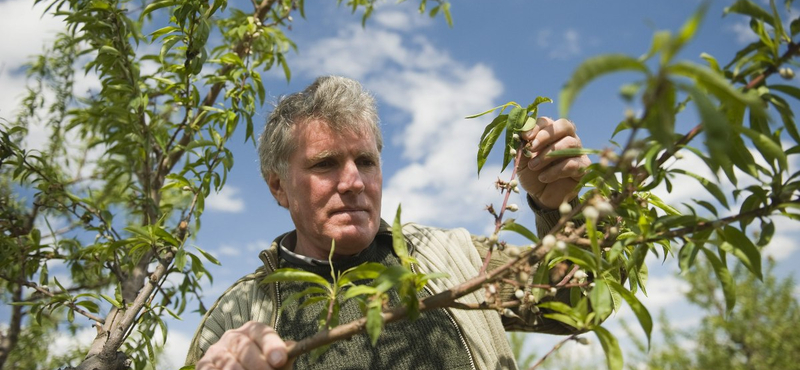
x: 254, y: 346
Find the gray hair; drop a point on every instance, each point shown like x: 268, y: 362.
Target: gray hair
x: 340, y: 102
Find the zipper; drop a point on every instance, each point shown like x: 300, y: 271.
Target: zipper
x: 277, y: 293
x: 453, y: 321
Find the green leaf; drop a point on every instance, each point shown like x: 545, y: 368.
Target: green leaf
x: 208, y: 256
x: 610, y: 347
x: 374, y: 321
x: 510, y: 225
x: 489, y: 138
x: 593, y: 68
x: 113, y: 301
x: 725, y: 278
x: 658, y: 202
x: 365, y: 271
x: 710, y: 186
x: 289, y: 274
x: 744, y: 250
x: 573, y: 152
x: 748, y: 8
x: 398, y: 240
x: 717, y: 85
x: 501, y: 107
x: 155, y: 6
x: 766, y: 145
x: 687, y: 255
x: 645, y: 320
x: 516, y: 119
x: 601, y: 300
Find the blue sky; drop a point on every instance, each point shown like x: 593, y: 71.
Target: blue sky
x: 427, y: 78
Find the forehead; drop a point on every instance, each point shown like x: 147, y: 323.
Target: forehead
x: 318, y: 135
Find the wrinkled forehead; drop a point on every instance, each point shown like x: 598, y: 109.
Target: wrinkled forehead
x: 363, y: 130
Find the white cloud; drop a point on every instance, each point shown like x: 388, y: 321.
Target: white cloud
x: 784, y: 242
x: 398, y: 20
x: 406, y: 72
x: 227, y: 250
x: 226, y: 200
x: 662, y: 292
x: 744, y: 35
x: 559, y: 46
x: 30, y: 30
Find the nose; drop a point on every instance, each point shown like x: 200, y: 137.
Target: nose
x: 350, y: 179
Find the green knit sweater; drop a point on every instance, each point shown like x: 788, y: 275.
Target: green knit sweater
x: 433, y: 341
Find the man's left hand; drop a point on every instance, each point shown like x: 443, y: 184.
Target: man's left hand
x: 551, y: 181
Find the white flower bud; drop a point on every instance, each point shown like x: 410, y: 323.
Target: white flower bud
x: 512, y: 207
x: 548, y: 241
x: 512, y: 152
x: 186, y: 188
x: 591, y: 213
x: 552, y: 292
x: 560, y: 245
x: 515, y: 136
x: 513, y: 183
x: 519, y: 294
x: 512, y: 251
x: 492, y: 289
x: 582, y: 340
x: 508, y: 313
x: 786, y: 73
x: 580, y: 275
x: 564, y: 208
x: 534, y: 308
x: 605, y: 208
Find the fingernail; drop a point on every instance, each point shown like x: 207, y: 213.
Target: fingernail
x: 277, y: 358
x: 542, y: 178
x: 534, y: 144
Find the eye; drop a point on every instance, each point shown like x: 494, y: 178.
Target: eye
x: 367, y: 162
x: 325, y: 163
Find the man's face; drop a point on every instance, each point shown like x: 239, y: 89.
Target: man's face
x: 332, y: 190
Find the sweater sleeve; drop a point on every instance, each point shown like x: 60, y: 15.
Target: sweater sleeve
x: 547, y: 218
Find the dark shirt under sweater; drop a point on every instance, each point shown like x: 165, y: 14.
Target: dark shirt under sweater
x: 433, y: 341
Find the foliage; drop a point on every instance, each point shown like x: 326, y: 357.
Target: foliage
x: 115, y: 195
x: 757, y: 334
x: 128, y: 169
x: 619, y: 221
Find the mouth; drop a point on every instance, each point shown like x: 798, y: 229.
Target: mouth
x: 348, y: 211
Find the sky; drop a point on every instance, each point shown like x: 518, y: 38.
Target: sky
x: 426, y: 78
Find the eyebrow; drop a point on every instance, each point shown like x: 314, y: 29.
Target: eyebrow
x: 326, y: 154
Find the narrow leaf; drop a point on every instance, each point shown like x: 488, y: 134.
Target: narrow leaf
x: 591, y: 69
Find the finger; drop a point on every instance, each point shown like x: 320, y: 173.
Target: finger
x: 550, y: 132
x: 566, y: 168
x: 540, y: 122
x: 217, y: 357
x: 248, y: 353
x: 273, y: 348
x: 542, y: 159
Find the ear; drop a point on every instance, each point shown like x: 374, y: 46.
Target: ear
x: 276, y: 187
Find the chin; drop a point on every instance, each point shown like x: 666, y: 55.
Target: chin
x: 354, y: 239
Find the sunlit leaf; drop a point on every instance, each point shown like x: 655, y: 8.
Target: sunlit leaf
x: 645, y: 320
x: 288, y: 274
x: 592, y: 69
x: 744, y: 250
x: 610, y: 347
x: 725, y: 278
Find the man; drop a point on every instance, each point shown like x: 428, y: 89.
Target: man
x: 320, y: 156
